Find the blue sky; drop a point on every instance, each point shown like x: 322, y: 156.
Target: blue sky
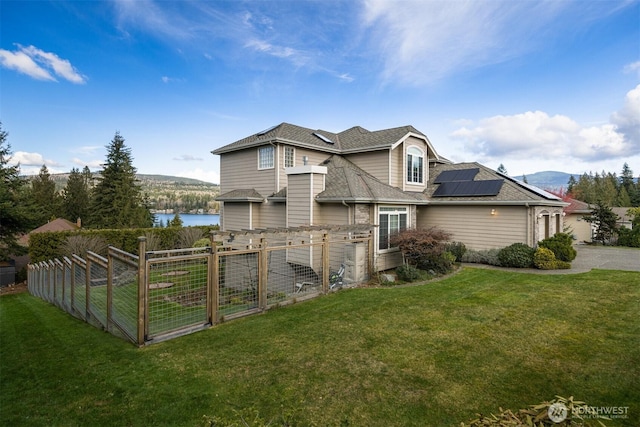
x: 534, y: 85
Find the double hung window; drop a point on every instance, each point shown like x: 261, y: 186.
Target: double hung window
x: 265, y: 157
x: 415, y: 165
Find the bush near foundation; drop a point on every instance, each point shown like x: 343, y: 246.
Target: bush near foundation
x: 517, y: 255
x: 561, y: 244
x: 545, y: 259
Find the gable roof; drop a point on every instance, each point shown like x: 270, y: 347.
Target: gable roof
x: 511, y: 192
x: 352, y: 140
x: 58, y: 224
x: 349, y: 183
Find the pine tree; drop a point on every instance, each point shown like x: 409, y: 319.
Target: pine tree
x: 571, y: 184
x: 605, y: 221
x: 176, y: 221
x: 117, y: 200
x: 76, y: 196
x: 502, y: 169
x: 16, y: 210
x: 45, y: 197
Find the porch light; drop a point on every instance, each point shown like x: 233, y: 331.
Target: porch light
x: 493, y: 212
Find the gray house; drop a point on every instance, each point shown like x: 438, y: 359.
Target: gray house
x: 288, y: 176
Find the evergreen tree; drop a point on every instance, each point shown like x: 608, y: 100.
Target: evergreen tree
x: 176, y: 221
x: 76, y: 196
x: 605, y: 221
x: 524, y: 179
x: 571, y: 184
x: 502, y: 169
x: 45, y: 197
x: 627, y: 182
x: 16, y: 212
x: 117, y: 200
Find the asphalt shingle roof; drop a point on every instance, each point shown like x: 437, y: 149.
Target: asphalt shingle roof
x: 346, y: 181
x: 353, y: 139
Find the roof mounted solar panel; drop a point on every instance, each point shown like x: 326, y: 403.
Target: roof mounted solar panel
x: 469, y: 188
x: 322, y: 137
x: 457, y: 175
x: 266, y: 130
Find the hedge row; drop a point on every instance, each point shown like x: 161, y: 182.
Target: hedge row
x: 49, y: 245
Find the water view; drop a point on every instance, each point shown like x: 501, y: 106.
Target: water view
x: 189, y: 219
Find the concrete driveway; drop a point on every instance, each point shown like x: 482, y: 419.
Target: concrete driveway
x: 606, y: 258
x: 588, y: 257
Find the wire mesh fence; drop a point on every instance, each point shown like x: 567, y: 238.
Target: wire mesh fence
x: 163, y: 294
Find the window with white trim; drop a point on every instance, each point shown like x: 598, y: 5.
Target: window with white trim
x: 289, y: 157
x: 392, y: 220
x: 265, y: 157
x: 415, y: 162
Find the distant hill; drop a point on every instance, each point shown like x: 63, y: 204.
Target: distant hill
x: 146, y: 180
x: 551, y: 180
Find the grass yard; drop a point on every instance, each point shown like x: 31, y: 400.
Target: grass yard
x: 427, y: 355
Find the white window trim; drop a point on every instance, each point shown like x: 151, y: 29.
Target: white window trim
x: 293, y: 157
x: 392, y: 210
x: 273, y: 160
x: 406, y: 161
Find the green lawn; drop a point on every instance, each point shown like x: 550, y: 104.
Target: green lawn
x: 426, y: 355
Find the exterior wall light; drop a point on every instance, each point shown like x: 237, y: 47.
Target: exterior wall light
x: 493, y: 212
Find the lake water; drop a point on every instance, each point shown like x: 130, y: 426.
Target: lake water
x: 190, y: 219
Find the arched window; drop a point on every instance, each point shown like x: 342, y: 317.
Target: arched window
x: 415, y: 165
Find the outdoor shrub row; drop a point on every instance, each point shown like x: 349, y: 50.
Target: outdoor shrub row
x: 555, y: 252
x: 50, y: 245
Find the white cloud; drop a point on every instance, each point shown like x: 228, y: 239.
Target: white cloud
x: 424, y: 41
x: 93, y: 164
x: 188, y: 158
x: 30, y: 159
x: 536, y: 135
x: 631, y: 68
x: 202, y: 175
x: 24, y: 64
x: 40, y: 65
x: 87, y: 149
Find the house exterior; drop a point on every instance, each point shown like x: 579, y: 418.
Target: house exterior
x: 291, y: 176
x: 584, y: 231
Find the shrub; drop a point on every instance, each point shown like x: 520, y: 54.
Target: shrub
x: 438, y: 263
x: 487, y: 256
x: 408, y: 273
x: 517, y: 255
x: 201, y: 243
x: 424, y: 248
x: 545, y: 259
x: 561, y: 244
x: 80, y: 245
x: 458, y: 249
x: 628, y: 237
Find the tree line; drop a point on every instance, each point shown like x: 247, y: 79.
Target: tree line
x: 606, y: 188
x: 111, y: 198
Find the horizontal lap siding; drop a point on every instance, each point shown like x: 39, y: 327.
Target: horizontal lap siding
x: 272, y: 215
x: 332, y: 214
x: 475, y: 226
x: 375, y: 163
x: 236, y: 216
x: 239, y: 170
x: 299, y: 201
x: 315, y: 158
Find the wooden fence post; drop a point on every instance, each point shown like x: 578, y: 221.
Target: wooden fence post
x: 213, y: 282
x: 263, y: 276
x: 325, y: 262
x: 142, y: 290
x: 109, y: 288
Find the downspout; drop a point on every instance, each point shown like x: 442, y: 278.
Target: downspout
x: 528, y: 223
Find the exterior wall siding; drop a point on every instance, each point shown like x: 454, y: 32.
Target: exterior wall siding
x: 235, y: 216
x: 315, y: 158
x: 375, y: 162
x: 272, y: 215
x: 239, y: 170
x: 476, y: 227
x: 299, y: 201
x: 580, y: 228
